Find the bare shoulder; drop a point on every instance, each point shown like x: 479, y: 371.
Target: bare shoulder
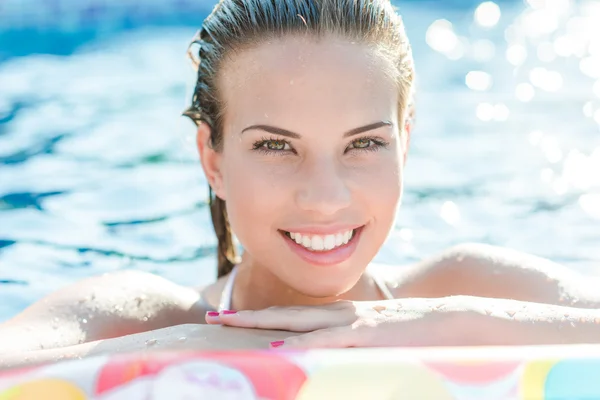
x: 101, y: 307
x: 484, y: 270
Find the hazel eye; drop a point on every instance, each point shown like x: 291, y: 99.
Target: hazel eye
x: 273, y: 146
x: 366, y: 144
x: 362, y: 143
x: 276, y: 145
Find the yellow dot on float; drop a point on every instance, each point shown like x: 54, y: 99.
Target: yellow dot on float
x: 44, y: 389
x: 381, y: 381
x: 533, y: 380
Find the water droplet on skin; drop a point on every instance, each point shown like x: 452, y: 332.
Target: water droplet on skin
x: 292, y: 82
x: 84, y: 321
x: 151, y: 342
x: 182, y: 339
x: 379, y: 309
x: 145, y: 319
x: 562, y: 299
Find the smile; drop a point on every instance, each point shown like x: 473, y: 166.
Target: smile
x: 324, y: 249
x: 321, y: 242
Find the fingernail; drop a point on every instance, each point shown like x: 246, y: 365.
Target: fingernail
x: 229, y: 312
x: 277, y: 343
x: 212, y: 314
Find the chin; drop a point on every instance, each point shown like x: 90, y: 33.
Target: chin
x: 320, y: 288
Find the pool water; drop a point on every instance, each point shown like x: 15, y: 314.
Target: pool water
x: 98, y: 171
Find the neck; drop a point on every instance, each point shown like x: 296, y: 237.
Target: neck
x: 256, y: 288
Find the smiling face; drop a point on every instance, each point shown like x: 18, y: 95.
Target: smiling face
x: 312, y: 158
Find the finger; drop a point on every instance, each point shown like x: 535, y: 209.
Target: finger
x: 339, y: 337
x: 212, y: 318
x: 301, y: 319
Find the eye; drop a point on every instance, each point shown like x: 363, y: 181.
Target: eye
x: 272, y: 146
x: 361, y: 143
x: 367, y: 144
x: 276, y: 145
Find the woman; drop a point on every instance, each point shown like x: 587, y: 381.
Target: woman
x: 303, y: 114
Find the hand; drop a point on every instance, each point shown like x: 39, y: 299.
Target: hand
x: 407, y: 322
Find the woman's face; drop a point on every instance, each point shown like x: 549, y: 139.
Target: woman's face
x: 312, y: 159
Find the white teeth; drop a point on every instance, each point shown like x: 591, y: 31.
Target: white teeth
x: 317, y: 243
x: 322, y: 242
x: 329, y: 242
x: 306, y: 241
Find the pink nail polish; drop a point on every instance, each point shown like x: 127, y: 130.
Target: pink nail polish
x: 229, y: 312
x: 277, y: 343
x: 212, y: 314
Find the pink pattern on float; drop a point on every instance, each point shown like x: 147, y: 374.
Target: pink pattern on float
x: 519, y: 373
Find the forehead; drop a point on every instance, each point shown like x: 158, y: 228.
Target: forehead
x: 302, y: 83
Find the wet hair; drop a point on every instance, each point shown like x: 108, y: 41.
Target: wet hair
x: 235, y: 25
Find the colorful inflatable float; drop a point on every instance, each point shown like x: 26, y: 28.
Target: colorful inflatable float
x: 525, y: 373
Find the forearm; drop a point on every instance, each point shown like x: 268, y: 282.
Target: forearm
x: 508, y: 322
x: 181, y: 337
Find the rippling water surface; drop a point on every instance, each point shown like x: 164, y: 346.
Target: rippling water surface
x: 98, y: 171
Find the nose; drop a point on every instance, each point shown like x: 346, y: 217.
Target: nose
x: 323, y: 189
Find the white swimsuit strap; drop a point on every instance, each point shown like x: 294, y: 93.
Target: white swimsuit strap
x: 227, y: 293
x: 380, y: 283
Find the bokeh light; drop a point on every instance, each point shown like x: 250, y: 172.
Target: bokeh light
x: 487, y: 14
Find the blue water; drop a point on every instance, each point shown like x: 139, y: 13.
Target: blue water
x: 98, y: 172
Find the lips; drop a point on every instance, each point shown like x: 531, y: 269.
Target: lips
x: 317, y: 254
x: 317, y: 242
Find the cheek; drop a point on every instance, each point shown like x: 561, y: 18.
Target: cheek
x: 255, y: 195
x: 381, y: 183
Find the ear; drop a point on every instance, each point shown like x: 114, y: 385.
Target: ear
x: 408, y: 127
x: 406, y: 137
x: 210, y: 159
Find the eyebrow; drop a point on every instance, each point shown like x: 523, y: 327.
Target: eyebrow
x: 284, y: 132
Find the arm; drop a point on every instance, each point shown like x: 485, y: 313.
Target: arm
x: 180, y: 337
x: 448, y: 321
x: 488, y: 271
x: 102, y: 307
x: 495, y: 322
